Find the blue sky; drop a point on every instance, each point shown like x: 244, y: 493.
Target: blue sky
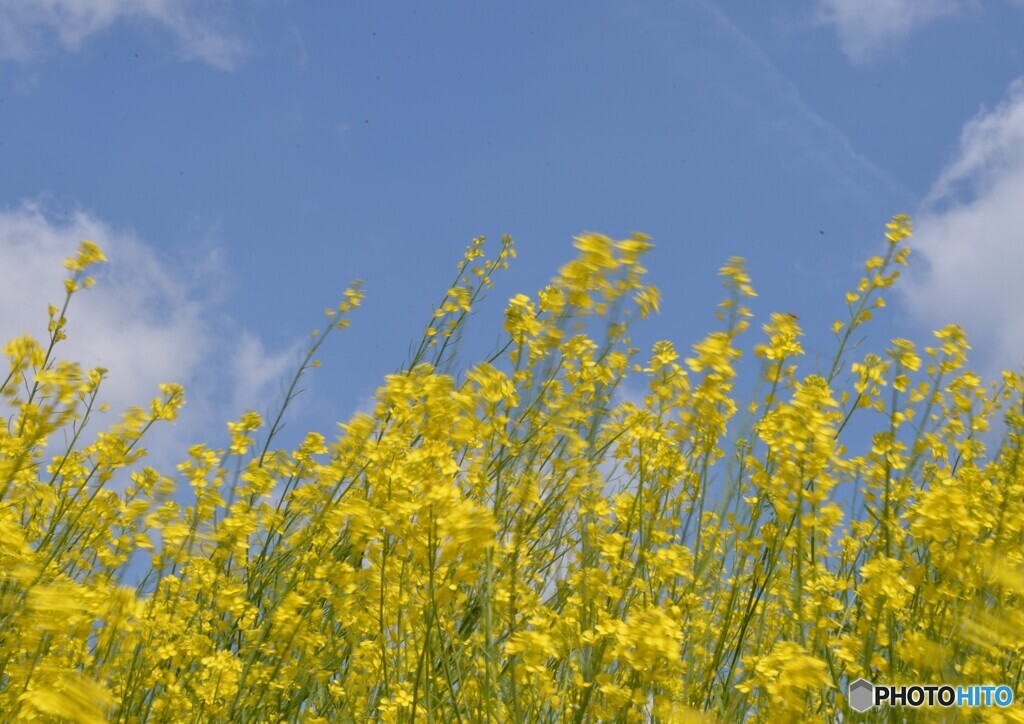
x: 241, y: 163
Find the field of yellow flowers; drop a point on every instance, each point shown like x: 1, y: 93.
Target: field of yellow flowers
x: 513, y: 541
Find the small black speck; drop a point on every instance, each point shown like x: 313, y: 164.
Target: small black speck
x: 821, y: 232
x: 366, y: 120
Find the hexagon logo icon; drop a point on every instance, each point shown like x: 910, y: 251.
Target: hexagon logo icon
x: 860, y: 695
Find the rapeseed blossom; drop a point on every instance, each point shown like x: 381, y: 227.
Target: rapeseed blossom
x: 514, y: 539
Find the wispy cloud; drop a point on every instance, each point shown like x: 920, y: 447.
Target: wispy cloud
x: 971, y: 235
x: 302, y: 56
x: 868, y: 28
x: 782, y: 105
x: 257, y: 371
x: 29, y: 30
x: 142, y: 321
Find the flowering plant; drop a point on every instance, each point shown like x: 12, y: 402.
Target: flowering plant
x: 518, y: 541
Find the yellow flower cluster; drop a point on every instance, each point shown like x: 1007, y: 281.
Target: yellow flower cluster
x: 518, y: 540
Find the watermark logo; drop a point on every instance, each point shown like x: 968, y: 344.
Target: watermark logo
x: 860, y: 695
x: 863, y: 695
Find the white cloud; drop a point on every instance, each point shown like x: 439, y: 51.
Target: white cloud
x: 991, y: 148
x: 971, y: 235
x: 257, y: 372
x: 867, y: 28
x: 28, y: 29
x: 142, y: 322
